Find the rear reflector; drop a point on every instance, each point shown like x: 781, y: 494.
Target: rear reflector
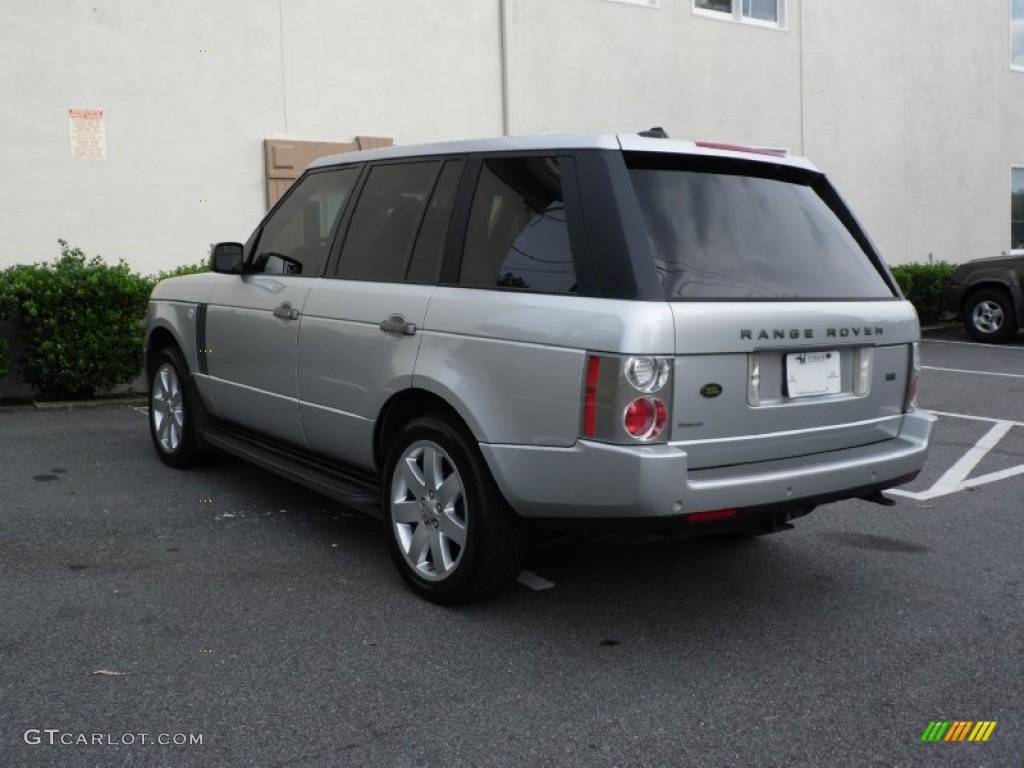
x: 707, y: 517
x: 590, y: 397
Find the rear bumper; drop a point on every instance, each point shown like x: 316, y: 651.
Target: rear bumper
x: 596, y: 480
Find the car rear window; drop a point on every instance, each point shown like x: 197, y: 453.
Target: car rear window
x: 721, y: 230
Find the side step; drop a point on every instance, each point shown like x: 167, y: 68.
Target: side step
x: 353, y: 488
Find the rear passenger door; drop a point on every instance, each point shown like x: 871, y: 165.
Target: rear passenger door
x: 361, y: 328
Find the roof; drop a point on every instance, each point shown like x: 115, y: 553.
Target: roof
x: 630, y: 142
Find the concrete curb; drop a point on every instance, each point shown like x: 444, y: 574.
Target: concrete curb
x: 72, y: 405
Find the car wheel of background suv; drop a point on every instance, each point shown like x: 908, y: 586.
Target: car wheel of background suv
x: 171, y: 411
x: 989, y: 315
x: 451, y: 533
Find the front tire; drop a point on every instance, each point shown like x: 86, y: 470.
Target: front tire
x: 172, y: 412
x: 451, y: 533
x: 989, y: 316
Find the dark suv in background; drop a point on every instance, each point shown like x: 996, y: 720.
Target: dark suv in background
x: 989, y: 295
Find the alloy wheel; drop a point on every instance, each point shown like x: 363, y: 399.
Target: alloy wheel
x: 988, y: 317
x: 167, y: 407
x: 428, y: 510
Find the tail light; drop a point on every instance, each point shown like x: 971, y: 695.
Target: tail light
x: 913, y: 377
x: 590, y: 396
x: 627, y: 399
x: 645, y: 418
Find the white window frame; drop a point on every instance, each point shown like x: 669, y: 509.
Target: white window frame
x: 1009, y: 12
x: 644, y: 3
x: 737, y: 15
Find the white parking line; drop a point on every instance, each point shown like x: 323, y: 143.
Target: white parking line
x: 533, y: 581
x: 977, y: 418
x: 955, y: 478
x: 976, y: 373
x: 968, y: 344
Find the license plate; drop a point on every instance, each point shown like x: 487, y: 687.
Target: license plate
x: 812, y: 373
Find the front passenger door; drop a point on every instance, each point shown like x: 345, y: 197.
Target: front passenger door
x: 252, y: 321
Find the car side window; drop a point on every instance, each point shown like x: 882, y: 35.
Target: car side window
x: 517, y: 235
x: 386, y: 221
x: 296, y: 239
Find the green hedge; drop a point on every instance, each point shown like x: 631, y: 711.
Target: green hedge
x: 922, y: 284
x: 82, y: 321
x: 8, y: 305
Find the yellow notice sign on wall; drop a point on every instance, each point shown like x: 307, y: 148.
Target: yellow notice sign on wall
x: 88, y: 134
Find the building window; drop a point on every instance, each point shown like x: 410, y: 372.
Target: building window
x: 1017, y: 34
x: 771, y: 13
x: 1017, y: 208
x: 645, y: 3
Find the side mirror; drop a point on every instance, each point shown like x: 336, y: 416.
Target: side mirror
x: 226, y: 258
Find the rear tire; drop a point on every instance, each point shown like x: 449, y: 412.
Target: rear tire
x: 173, y: 412
x: 990, y: 316
x: 451, y: 533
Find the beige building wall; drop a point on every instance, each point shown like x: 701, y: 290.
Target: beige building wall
x: 190, y: 89
x: 912, y: 108
x: 597, y: 65
x: 915, y: 112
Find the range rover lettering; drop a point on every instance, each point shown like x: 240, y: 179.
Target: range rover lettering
x: 479, y: 340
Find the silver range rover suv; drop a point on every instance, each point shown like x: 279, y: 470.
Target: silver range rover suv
x: 476, y: 340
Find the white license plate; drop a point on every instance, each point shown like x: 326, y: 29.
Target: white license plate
x: 812, y: 373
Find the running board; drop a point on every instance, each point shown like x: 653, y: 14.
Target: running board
x: 353, y: 488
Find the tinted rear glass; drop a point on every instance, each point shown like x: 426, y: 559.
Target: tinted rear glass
x: 716, y: 234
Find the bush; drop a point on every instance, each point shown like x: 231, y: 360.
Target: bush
x: 188, y: 269
x: 922, y: 284
x: 81, y: 320
x: 8, y: 305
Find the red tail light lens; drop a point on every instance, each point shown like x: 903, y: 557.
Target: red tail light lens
x: 645, y: 418
x: 590, y: 397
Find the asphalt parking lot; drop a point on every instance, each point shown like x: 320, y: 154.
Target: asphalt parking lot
x: 141, y: 604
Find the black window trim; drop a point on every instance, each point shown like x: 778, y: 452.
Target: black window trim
x: 445, y: 161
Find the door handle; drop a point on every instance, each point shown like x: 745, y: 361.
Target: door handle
x: 285, y: 312
x: 396, y: 324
